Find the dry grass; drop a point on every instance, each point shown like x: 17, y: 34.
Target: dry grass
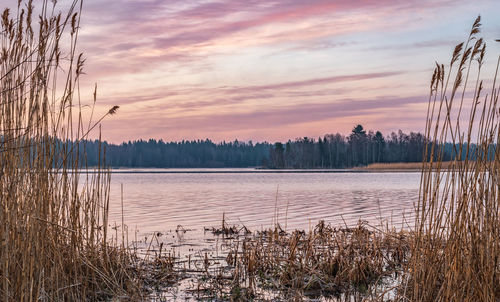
x: 395, y: 167
x: 455, y: 254
x: 53, y: 214
x: 389, y: 167
x: 359, y: 263
x: 342, y: 263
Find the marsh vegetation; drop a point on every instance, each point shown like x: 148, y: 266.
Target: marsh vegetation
x: 57, y: 243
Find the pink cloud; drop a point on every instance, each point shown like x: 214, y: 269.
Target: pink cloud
x: 319, y: 81
x: 266, y: 119
x: 178, y: 35
x: 183, y: 63
x: 228, y: 95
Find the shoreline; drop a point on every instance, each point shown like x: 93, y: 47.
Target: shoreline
x: 372, y: 168
x: 264, y: 172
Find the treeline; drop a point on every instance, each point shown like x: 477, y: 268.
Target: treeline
x: 185, y: 154
x: 339, y: 151
x: 331, y: 151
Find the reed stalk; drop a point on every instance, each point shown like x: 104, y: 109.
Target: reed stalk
x: 456, y: 247
x: 53, y: 212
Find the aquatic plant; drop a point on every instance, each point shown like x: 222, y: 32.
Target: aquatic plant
x: 456, y: 248
x: 53, y: 211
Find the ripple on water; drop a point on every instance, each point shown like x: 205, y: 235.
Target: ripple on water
x: 161, y: 201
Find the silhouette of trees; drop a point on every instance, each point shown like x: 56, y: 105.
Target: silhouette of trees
x: 277, y: 156
x: 330, y: 152
x: 358, y: 146
x: 379, y: 147
x: 184, y: 154
x: 357, y: 149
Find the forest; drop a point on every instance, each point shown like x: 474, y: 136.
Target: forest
x: 332, y: 151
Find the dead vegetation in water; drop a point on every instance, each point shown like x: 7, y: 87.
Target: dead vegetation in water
x: 335, y: 263
x: 228, y: 230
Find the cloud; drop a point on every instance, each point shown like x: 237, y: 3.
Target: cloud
x: 205, y: 97
x: 269, y: 118
x: 143, y: 34
x: 318, y: 81
x: 302, y: 113
x: 232, y: 65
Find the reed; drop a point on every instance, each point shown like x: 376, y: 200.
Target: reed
x: 53, y: 212
x: 456, y: 248
x: 397, y: 167
x: 344, y: 264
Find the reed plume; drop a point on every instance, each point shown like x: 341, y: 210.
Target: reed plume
x: 53, y: 212
x: 454, y: 252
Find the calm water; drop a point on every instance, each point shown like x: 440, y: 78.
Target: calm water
x: 156, y: 201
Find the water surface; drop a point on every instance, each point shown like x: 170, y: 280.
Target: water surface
x: 160, y: 200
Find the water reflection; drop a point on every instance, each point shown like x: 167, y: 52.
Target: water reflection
x: 163, y: 201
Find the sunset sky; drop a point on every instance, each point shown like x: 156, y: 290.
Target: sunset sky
x: 270, y: 70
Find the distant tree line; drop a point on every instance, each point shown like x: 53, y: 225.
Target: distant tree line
x: 184, y: 154
x: 357, y: 149
x: 331, y: 151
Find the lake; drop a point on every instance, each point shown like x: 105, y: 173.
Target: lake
x: 160, y: 200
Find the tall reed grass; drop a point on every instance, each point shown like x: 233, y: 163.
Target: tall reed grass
x: 53, y: 215
x: 456, y: 247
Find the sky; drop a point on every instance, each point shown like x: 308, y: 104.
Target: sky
x: 270, y: 70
